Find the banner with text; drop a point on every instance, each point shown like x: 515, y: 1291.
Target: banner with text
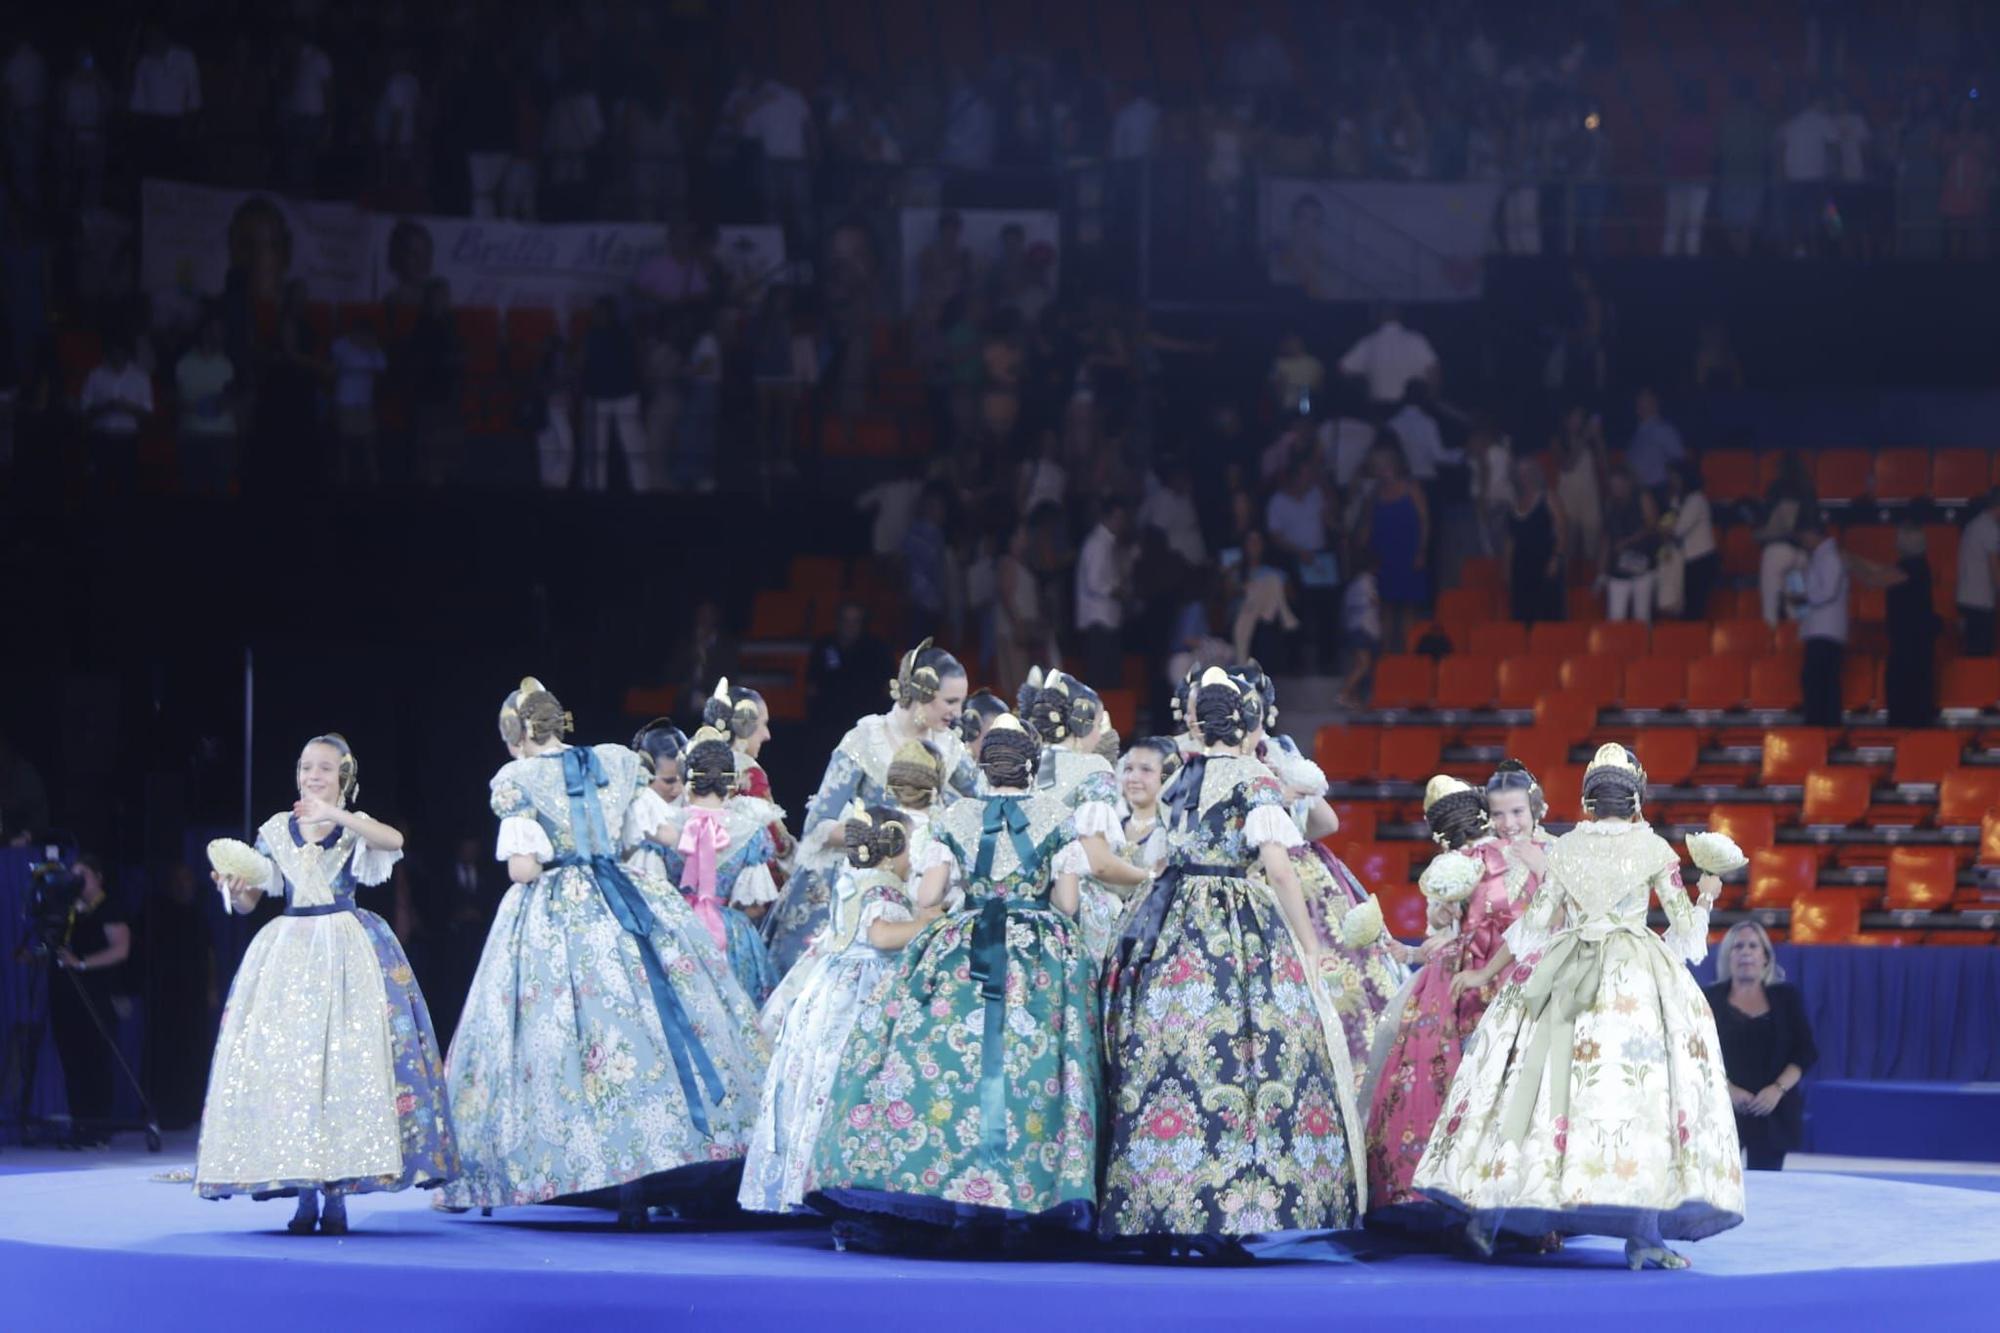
x: 1378, y: 241
x: 983, y: 232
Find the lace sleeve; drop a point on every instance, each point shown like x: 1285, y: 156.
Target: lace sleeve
x: 1271, y: 823
x: 643, y: 817
x: 1071, y: 860
x: 754, y: 886
x: 1098, y: 819
x: 521, y: 835
x: 1687, y: 921
x: 371, y: 865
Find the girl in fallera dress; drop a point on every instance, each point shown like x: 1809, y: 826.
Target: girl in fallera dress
x: 928, y: 695
x: 982, y: 708
x: 607, y: 1055
x: 726, y: 853
x: 1477, y: 885
x: 1069, y: 719
x: 1591, y: 1099
x: 742, y: 715
x: 873, y: 917
x: 1142, y: 775
x: 970, y: 1102
x: 1232, y: 1108
x: 326, y: 1079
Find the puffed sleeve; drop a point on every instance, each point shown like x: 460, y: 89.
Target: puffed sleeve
x: 882, y: 902
x: 1071, y: 860
x: 646, y: 814
x: 934, y: 855
x: 754, y: 885
x: 372, y: 865
x: 522, y: 835
x: 1268, y: 820
x: 1095, y: 814
x: 1687, y: 921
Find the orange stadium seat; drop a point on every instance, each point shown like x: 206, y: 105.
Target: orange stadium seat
x: 1596, y: 678
x: 1483, y: 573
x: 1902, y: 474
x: 1966, y: 796
x: 1524, y: 679
x: 1403, y: 907
x: 1357, y: 824
x: 777, y: 614
x: 1566, y: 715
x: 1860, y: 682
x: 1620, y: 638
x: 1719, y: 683
x: 1562, y: 786
x: 1405, y: 680
x: 1836, y: 797
x: 1466, y: 681
x: 1668, y: 754
x: 1970, y: 683
x: 1542, y: 751
x: 1655, y: 683
x: 1559, y: 638
x: 1740, y: 555
x: 1775, y: 684
x: 1989, y: 840
x: 1780, y: 874
x: 1926, y: 756
x: 1683, y: 640
x: 1960, y: 474
x: 1843, y: 474
x: 1498, y: 638
x: 1411, y: 753
x: 1790, y: 753
x: 1583, y: 605
x: 1870, y: 541
x: 1826, y: 917
x: 1747, y: 638
x: 1749, y: 826
x: 1461, y: 608
x: 1729, y: 475
x: 1352, y: 752
x: 1921, y: 879
x: 1122, y: 707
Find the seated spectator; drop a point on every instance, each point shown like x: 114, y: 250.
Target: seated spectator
x: 117, y: 397
x: 205, y: 383
x: 1791, y: 495
x: 1296, y: 376
x: 1629, y: 563
x: 1767, y: 1045
x: 1693, y: 536
x: 1656, y: 444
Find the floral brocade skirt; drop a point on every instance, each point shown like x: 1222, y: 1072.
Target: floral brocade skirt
x: 928, y: 1121
x: 1228, y: 1110
x: 1600, y: 1110
x: 1360, y: 982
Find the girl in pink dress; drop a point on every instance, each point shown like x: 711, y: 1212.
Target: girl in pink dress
x: 1489, y: 870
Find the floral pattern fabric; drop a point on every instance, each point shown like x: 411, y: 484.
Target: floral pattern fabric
x: 1360, y: 981
x: 1087, y: 784
x: 908, y: 1130
x: 562, y: 1075
x: 1231, y: 1104
x: 1591, y: 1098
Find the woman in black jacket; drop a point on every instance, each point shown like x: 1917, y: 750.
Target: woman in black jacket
x: 1767, y: 1045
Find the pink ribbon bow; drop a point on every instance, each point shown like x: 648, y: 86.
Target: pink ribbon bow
x: 703, y: 840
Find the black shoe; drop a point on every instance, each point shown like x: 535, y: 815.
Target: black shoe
x: 333, y: 1218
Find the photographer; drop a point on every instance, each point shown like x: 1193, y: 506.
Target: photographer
x: 93, y: 950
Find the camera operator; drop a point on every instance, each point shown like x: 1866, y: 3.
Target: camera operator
x: 93, y: 951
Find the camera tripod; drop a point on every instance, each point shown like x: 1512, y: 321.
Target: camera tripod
x: 24, y: 1058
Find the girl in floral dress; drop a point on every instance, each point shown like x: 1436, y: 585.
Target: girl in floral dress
x: 973, y: 1097
x: 606, y: 1051
x: 872, y: 919
x: 1142, y: 774
x: 1591, y: 1099
x: 326, y: 1079
x: 1068, y: 717
x: 928, y: 694
x: 742, y: 715
x: 1231, y: 1097
x: 726, y: 853
x: 1477, y: 889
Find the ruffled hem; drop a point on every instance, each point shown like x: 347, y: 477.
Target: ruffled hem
x: 1071, y: 860
x: 1691, y: 1219
x: 646, y: 815
x: 522, y: 836
x: 754, y: 886
x: 1271, y: 823
x: 373, y: 865
x: 1689, y: 939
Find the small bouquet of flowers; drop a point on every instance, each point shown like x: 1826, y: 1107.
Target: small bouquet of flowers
x: 1362, y: 925
x: 1449, y: 878
x: 1715, y: 853
x: 236, y: 860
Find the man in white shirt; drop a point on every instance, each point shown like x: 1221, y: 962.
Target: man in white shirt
x: 1807, y: 146
x: 969, y: 125
x: 1822, y: 621
x: 166, y: 93
x: 1978, y: 574
x: 779, y: 120
x: 1423, y: 444
x: 117, y: 395
x: 305, y: 106
x: 1390, y: 359
x: 1100, y: 586
x: 1170, y: 508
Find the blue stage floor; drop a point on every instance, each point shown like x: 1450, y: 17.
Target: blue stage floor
x: 112, y: 1249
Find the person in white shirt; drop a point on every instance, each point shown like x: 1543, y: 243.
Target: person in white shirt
x: 1170, y: 507
x: 1822, y: 611
x: 166, y: 93
x: 1391, y: 358
x: 1100, y: 587
x: 205, y: 383
x: 1423, y: 444
x: 1135, y: 128
x: 305, y: 104
x: 777, y: 118
x: 1694, y: 536
x: 1978, y: 574
x: 398, y: 114
x: 117, y: 396
x: 1807, y: 147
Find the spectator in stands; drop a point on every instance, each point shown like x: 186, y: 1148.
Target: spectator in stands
x: 674, y: 277
x: 205, y: 384
x: 1656, y: 446
x: 652, y: 136
x: 166, y: 95
x: 83, y: 115
x: 117, y: 398
x: 778, y: 120
x: 305, y: 74
x: 1136, y: 125
x: 358, y: 366
x: 1909, y: 681
x: 1101, y: 577
x: 1807, y: 146
x: 1535, y: 547
x: 1396, y: 538
x: 1743, y: 155
x: 970, y: 128
x: 845, y: 673
x: 1389, y: 359
x: 926, y: 565
x: 1853, y: 196
x: 555, y: 394
x: 1688, y: 159
x: 1170, y: 507
x: 611, y: 402
x: 1628, y: 565
x: 399, y: 112
x: 1978, y: 575
x: 1361, y: 632
x: 1785, y: 503
x: 1346, y: 436
x: 1767, y: 1045
x: 1296, y: 518
x: 1822, y: 612
x: 1296, y: 376
x: 572, y: 132
x: 289, y: 384
x: 1023, y: 633
x: 694, y: 459
x: 706, y: 654
x: 411, y: 259
x: 1693, y: 534
x: 1417, y: 432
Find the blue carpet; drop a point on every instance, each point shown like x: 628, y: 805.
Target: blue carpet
x: 110, y: 1249
x: 1988, y: 1184
x: 1945, y: 1122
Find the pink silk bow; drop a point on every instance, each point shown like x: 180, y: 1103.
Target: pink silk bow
x: 703, y: 840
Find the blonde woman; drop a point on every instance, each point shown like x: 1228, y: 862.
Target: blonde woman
x: 1767, y: 1045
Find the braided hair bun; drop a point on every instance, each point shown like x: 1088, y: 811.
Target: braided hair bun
x: 915, y: 774
x: 874, y: 836
x: 709, y: 768
x: 1224, y: 711
x: 733, y: 710
x: 922, y: 672
x: 1061, y: 709
x: 1611, y: 793
x: 532, y: 713
x: 1010, y: 755
x: 1458, y: 818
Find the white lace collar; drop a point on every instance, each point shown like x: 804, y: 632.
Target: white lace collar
x: 1611, y: 828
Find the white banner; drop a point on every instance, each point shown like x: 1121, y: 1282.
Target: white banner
x: 981, y: 232
x: 193, y: 235
x: 1378, y: 241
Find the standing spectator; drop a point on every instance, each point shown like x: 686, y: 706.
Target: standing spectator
x: 776, y: 118
x: 1978, y: 575
x: 1631, y: 541
x: 117, y: 397
x: 306, y: 78
x: 83, y: 111
x: 1390, y: 359
x: 1295, y: 517
x: 674, y: 277
x: 555, y: 440
x: 1767, y: 1045
x: 1361, y: 631
x: 1170, y: 507
x: 1785, y: 504
x: 99, y: 941
x: 611, y: 401
x: 1023, y: 634
x: 706, y: 654
x: 652, y: 137
x: 926, y: 571
x: 1694, y: 535
x: 1807, y: 147
x: 25, y: 81
x: 944, y: 271
x: 289, y: 383
x: 358, y: 364
x: 694, y: 461
x: 1100, y: 588
x: 1535, y: 547
x: 970, y: 127
x: 1743, y: 155
x: 1689, y: 154
x: 1822, y: 610
x: 845, y: 673
x: 1135, y: 127
x: 1417, y: 432
x: 1346, y: 437
x: 1296, y: 376
x: 1852, y: 193
x: 166, y: 94
x: 1909, y: 681
x: 477, y: 130
x: 1656, y: 445
x: 205, y: 383
x: 399, y: 110
x: 661, y: 381
x: 1396, y: 536
x: 1966, y: 199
